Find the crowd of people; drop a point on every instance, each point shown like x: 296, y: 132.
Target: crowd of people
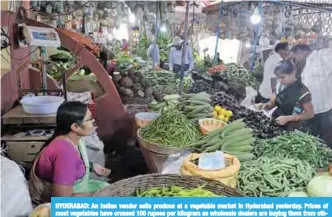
x: 297, y: 84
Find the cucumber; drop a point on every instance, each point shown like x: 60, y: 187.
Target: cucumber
x: 239, y: 133
x: 198, y: 109
x: 237, y: 141
x: 245, y: 148
x: 232, y: 127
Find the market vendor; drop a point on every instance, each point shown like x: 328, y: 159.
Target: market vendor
x: 62, y: 168
x: 154, y: 54
x: 175, y: 56
x: 267, y: 87
x: 292, y: 99
x: 317, y: 76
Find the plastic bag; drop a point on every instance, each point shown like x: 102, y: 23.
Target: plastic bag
x: 227, y: 176
x: 174, y: 163
x: 212, y: 161
x: 250, y: 97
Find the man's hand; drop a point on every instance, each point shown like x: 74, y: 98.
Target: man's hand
x: 282, y: 120
x: 261, y: 106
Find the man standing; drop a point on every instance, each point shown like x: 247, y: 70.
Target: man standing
x: 317, y: 76
x: 154, y: 54
x: 269, y: 80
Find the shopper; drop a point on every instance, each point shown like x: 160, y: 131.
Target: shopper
x: 267, y: 87
x: 62, y: 168
x: 125, y: 46
x: 292, y: 99
x: 154, y: 54
x: 317, y: 76
x: 175, y: 57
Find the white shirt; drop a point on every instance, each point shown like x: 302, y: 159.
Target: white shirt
x: 265, y: 89
x: 317, y: 76
x: 175, y: 58
x: 154, y: 56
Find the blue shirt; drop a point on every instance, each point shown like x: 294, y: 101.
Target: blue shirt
x: 175, y: 58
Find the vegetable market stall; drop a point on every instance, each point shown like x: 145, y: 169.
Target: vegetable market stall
x: 273, y: 162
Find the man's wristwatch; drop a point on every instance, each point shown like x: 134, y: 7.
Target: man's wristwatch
x: 91, y: 166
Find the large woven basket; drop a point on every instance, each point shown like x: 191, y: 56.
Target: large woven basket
x: 158, y: 148
x: 129, y: 187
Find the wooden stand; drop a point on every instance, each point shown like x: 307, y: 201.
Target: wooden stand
x: 24, y: 148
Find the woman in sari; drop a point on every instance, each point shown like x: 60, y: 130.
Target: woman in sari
x: 62, y: 168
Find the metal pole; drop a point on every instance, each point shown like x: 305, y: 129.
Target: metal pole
x: 155, y: 36
x: 218, y: 34
x: 184, y: 49
x: 44, y: 73
x: 256, y: 30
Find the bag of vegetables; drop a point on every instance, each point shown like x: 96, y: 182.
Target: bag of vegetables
x: 226, y: 176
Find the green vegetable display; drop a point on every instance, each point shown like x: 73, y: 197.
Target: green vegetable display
x: 170, y: 102
x: 162, y: 83
x: 176, y: 191
x: 274, y: 176
x: 234, y: 139
x: 296, y: 145
x: 197, y: 106
x: 239, y: 74
x: 171, y: 128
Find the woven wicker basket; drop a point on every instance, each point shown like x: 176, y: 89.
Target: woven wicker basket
x: 129, y: 187
x: 158, y: 148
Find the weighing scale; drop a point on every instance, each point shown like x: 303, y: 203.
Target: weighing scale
x: 42, y: 37
x: 26, y: 133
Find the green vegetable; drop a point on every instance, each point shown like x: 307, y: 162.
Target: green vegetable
x: 171, y: 128
x: 274, y: 176
x: 176, y: 191
x: 296, y: 145
x: 233, y: 139
x: 320, y: 186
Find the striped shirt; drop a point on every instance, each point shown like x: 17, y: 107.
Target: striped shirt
x: 317, y: 76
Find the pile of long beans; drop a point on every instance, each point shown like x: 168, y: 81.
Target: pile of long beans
x: 274, y: 176
x: 176, y: 191
x: 296, y: 145
x: 171, y: 128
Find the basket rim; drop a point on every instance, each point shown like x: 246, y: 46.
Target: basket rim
x: 132, y: 184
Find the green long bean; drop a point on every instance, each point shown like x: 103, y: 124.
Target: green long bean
x: 274, y: 176
x: 296, y: 145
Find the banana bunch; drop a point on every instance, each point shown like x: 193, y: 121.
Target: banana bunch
x: 234, y: 139
x: 197, y: 106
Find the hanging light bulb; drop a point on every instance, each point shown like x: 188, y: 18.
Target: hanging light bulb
x: 256, y: 17
x: 132, y: 18
x: 163, y: 28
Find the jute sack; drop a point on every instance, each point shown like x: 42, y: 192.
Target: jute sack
x: 226, y: 176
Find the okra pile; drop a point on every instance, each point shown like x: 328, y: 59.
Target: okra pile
x: 171, y: 128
